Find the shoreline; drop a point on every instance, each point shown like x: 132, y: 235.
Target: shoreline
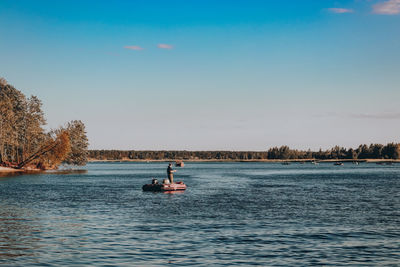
x: 255, y: 160
x: 6, y: 169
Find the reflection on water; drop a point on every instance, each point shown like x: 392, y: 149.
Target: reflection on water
x: 57, y: 172
x: 17, y: 232
x: 66, y: 171
x: 231, y: 214
x: 9, y: 174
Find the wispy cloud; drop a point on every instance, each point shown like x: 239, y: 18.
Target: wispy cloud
x: 384, y: 116
x: 133, y: 47
x: 390, y: 7
x: 375, y: 116
x: 165, y: 46
x: 340, y: 10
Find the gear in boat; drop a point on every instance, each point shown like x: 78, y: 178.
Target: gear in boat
x: 155, y: 186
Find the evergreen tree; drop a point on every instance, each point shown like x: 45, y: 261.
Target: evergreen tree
x: 79, y: 143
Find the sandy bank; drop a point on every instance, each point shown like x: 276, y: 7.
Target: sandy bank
x: 5, y: 169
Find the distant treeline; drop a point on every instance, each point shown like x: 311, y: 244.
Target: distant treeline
x: 373, y: 151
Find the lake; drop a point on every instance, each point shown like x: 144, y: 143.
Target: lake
x: 232, y: 214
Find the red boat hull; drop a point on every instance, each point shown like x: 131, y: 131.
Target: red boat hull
x: 179, y: 186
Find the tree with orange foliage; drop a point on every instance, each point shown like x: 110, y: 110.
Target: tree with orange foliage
x: 23, y: 140
x: 52, y: 152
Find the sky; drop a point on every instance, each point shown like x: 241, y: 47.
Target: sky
x: 210, y: 75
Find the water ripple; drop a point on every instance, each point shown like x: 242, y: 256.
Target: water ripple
x: 233, y: 214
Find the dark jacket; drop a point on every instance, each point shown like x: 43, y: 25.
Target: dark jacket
x: 169, y: 170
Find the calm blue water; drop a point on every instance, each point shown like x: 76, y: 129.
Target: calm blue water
x: 231, y: 214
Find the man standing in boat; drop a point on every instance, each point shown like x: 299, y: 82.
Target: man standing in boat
x: 170, y: 173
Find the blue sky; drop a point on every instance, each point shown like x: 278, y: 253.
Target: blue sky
x: 210, y: 75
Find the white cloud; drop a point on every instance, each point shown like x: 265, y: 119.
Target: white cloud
x: 383, y: 116
x: 340, y: 10
x: 133, y: 47
x: 390, y: 7
x: 165, y: 46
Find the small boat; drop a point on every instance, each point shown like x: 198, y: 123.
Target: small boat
x: 164, y: 187
x: 285, y: 163
x: 179, y: 163
x: 338, y: 163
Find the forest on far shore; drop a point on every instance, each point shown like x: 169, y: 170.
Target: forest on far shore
x: 390, y: 151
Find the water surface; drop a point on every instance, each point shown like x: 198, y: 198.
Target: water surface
x: 231, y: 214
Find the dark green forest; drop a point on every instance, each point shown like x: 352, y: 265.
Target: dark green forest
x: 390, y: 151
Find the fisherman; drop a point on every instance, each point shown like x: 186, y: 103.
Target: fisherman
x: 170, y: 172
